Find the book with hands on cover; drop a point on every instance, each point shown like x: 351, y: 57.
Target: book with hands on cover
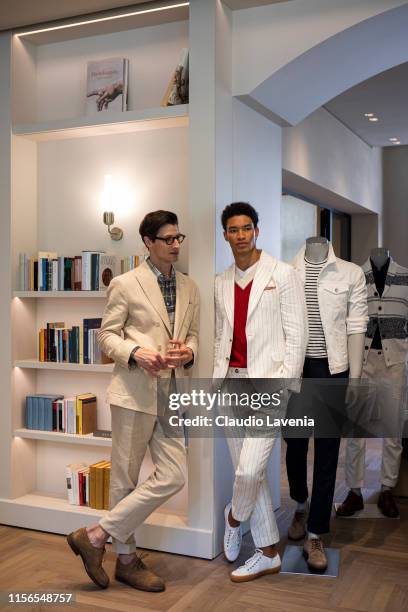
x: 107, y: 82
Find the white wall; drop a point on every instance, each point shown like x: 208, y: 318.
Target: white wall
x: 298, y: 222
x: 285, y: 30
x: 325, y: 152
x: 257, y: 171
x: 149, y: 168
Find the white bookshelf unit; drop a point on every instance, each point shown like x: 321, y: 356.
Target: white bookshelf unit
x: 53, y: 159
x: 58, y: 158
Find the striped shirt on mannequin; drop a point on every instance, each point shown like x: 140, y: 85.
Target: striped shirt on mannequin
x: 316, y: 347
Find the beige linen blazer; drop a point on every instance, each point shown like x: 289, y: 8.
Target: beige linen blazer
x: 136, y: 315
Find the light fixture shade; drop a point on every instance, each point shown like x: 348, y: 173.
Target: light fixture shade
x: 108, y: 218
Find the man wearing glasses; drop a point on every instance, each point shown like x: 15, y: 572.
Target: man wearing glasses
x: 150, y: 329
x: 261, y: 333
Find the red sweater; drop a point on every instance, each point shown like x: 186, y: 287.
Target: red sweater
x: 238, y: 357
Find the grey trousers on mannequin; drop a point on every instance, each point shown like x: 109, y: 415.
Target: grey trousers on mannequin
x: 390, y: 383
x: 132, y: 433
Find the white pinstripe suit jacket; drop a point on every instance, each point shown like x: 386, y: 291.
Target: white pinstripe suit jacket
x: 276, y: 327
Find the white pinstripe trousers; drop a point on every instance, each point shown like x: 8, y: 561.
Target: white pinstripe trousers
x: 251, y: 497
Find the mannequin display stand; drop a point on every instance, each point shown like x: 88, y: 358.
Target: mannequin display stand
x: 293, y: 562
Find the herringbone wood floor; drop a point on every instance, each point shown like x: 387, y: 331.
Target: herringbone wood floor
x: 373, y: 572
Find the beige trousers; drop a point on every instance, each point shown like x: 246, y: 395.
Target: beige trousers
x: 390, y: 385
x: 132, y: 433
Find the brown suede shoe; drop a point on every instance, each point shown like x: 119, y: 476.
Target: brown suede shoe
x: 386, y: 504
x: 138, y: 576
x: 90, y: 555
x: 297, y: 529
x: 313, y: 551
x: 352, y: 504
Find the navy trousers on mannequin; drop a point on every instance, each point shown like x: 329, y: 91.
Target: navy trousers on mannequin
x: 326, y: 449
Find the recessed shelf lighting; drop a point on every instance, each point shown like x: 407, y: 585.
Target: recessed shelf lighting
x: 373, y: 118
x: 100, y: 19
x: 368, y: 114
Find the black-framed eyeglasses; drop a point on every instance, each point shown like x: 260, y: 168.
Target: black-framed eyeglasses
x: 170, y: 239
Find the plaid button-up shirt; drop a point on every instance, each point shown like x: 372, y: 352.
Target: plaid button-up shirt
x: 168, y: 289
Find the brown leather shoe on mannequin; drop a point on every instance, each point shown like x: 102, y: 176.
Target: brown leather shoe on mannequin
x: 352, y: 504
x: 313, y: 551
x: 90, y: 555
x: 386, y: 504
x: 297, y: 529
x: 138, y: 576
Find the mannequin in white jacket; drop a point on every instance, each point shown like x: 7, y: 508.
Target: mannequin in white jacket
x: 337, y: 317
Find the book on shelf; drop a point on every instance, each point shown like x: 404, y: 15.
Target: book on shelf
x: 99, y: 479
x: 78, y: 344
x: 177, y: 89
x: 74, y: 415
x: 86, y: 413
x: 107, y: 270
x: 71, y: 473
x: 39, y: 412
x: 130, y: 262
x: 91, y: 327
x: 90, y: 271
x: 45, y: 269
x: 107, y: 85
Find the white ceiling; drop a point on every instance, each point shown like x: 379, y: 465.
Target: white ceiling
x: 18, y: 13
x: 385, y: 95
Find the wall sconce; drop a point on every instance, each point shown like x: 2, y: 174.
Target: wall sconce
x: 109, y: 219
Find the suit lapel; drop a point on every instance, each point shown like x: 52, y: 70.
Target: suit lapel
x: 150, y: 286
x: 182, y: 302
x: 263, y: 274
x: 228, y: 293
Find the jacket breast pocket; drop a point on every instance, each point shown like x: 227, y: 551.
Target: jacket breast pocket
x: 335, y: 298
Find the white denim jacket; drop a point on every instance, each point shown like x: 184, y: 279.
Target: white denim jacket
x: 342, y: 296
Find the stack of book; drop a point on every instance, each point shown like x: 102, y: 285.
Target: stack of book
x: 89, y: 485
x: 75, y: 415
x: 130, y: 262
x: 78, y: 344
x: 90, y: 271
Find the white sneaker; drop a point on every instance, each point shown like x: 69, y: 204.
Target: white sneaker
x: 232, y: 538
x: 256, y: 566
